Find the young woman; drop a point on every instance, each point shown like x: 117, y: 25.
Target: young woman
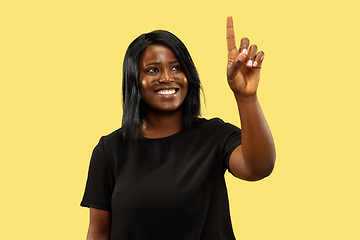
x: 161, y: 176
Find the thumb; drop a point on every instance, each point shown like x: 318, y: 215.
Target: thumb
x: 235, y: 66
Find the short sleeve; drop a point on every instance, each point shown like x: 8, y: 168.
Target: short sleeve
x: 98, y: 190
x: 230, y: 138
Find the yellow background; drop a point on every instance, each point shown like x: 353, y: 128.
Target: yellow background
x: 60, y: 72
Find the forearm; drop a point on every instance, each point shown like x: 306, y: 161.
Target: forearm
x: 256, y: 139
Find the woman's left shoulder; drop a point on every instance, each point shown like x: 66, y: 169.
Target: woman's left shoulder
x: 222, y: 127
x: 213, y: 121
x: 209, y: 121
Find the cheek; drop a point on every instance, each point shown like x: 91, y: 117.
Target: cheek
x: 185, y: 85
x: 144, y: 85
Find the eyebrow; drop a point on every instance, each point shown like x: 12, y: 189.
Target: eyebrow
x: 157, y: 63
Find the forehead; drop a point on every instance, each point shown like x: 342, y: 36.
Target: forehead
x: 157, y: 53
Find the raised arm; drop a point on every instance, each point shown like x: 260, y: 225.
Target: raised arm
x: 254, y: 159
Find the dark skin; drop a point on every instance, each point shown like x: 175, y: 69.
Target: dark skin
x: 100, y: 224
x: 163, y: 87
x: 253, y: 160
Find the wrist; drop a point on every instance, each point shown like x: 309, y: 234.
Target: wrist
x: 246, y: 98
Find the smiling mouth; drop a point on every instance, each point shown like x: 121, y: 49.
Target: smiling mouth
x: 167, y: 91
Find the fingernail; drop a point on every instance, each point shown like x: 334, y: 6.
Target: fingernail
x: 249, y: 63
x: 245, y: 51
x: 241, y: 57
x: 255, y: 64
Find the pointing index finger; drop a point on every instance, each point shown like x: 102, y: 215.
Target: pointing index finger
x: 230, y: 34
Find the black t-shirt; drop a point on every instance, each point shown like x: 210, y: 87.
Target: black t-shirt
x: 166, y: 188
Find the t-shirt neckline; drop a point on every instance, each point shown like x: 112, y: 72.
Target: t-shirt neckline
x: 162, y: 138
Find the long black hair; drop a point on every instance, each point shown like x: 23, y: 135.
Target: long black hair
x: 133, y: 106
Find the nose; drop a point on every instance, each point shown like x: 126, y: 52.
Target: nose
x: 166, y: 78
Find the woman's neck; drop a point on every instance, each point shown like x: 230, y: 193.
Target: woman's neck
x: 158, y: 125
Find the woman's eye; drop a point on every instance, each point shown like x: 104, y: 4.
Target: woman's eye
x: 152, y: 70
x: 175, y: 68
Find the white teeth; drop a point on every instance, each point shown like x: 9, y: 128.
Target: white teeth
x: 164, y: 92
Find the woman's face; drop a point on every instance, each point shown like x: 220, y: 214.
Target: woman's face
x: 163, y: 84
